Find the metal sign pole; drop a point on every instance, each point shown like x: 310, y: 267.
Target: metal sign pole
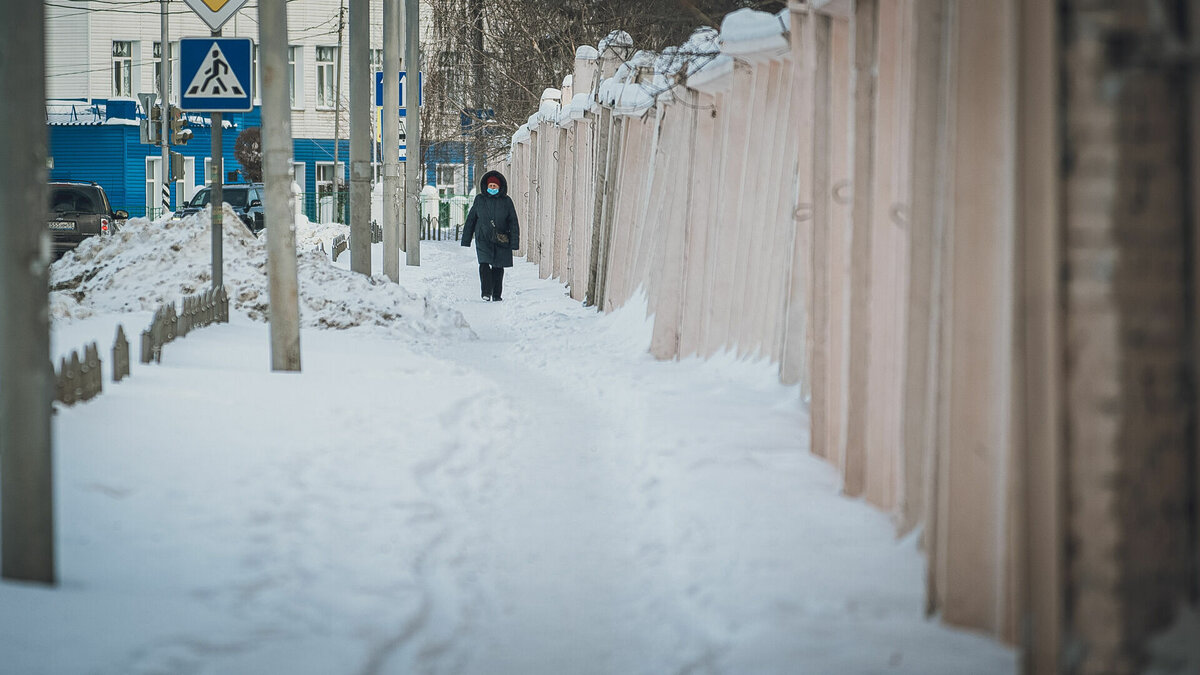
x: 164, y: 92
x: 218, y: 197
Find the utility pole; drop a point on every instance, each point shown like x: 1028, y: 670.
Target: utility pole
x: 164, y: 94
x: 277, y: 165
x: 26, y: 488
x: 390, y: 138
x: 360, y: 142
x: 479, y: 155
x: 337, y: 117
x: 218, y: 197
x: 412, y: 129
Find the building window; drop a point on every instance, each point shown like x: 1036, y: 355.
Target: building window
x: 174, y: 65
x: 158, y: 68
x: 122, y: 68
x: 154, y: 207
x: 331, y: 197
x: 294, y: 76
x: 376, y: 60
x: 325, y: 77
x: 446, y: 174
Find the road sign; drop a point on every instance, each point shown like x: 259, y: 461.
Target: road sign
x: 403, y: 80
x: 215, y: 12
x: 215, y: 73
x: 379, y: 131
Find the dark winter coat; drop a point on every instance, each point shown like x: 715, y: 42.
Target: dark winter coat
x: 488, y: 215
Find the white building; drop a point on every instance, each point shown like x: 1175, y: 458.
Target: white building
x: 102, y: 51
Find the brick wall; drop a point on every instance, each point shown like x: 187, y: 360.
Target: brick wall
x: 1129, y: 400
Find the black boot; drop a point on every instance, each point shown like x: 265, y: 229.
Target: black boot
x: 497, y: 283
x: 485, y: 281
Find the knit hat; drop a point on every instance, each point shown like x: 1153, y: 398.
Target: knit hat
x: 493, y: 181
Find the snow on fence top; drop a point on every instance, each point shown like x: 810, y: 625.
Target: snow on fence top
x: 702, y: 63
x: 147, y: 263
x: 710, y: 65
x: 521, y: 134
x: 751, y: 32
x: 617, y: 38
x: 580, y: 104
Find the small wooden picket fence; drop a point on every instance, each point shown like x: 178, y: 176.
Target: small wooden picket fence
x: 80, y: 379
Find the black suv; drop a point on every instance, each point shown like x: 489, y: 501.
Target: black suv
x: 244, y: 198
x: 78, y: 210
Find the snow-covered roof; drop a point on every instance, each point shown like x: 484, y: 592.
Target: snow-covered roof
x: 110, y: 112
x: 551, y: 94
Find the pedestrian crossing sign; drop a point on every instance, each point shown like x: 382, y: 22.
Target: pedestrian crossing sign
x: 215, y: 74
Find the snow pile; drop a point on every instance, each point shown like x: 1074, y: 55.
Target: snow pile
x: 319, y: 236
x: 149, y: 263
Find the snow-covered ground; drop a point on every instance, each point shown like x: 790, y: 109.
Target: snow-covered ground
x: 455, y: 487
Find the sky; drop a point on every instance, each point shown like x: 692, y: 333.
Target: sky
x: 447, y: 486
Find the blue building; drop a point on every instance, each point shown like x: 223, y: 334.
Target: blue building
x: 101, y: 56
x: 100, y: 140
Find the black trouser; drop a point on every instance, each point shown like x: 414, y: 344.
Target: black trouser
x: 491, y: 280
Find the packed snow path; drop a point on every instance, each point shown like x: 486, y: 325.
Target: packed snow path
x: 543, y: 498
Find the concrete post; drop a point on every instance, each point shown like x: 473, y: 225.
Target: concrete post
x: 26, y: 389
x: 360, y: 136
x: 277, y: 165
x: 412, y: 128
x: 392, y: 21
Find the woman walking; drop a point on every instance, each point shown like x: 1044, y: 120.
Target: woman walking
x: 492, y: 221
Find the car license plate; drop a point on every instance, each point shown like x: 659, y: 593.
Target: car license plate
x: 62, y: 224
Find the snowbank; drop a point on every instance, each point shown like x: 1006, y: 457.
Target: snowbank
x: 149, y: 263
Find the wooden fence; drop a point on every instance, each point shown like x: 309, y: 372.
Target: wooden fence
x: 80, y: 379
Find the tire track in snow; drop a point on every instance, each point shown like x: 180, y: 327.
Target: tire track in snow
x: 455, y: 485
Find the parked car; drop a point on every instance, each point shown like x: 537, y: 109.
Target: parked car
x: 244, y: 198
x: 78, y: 210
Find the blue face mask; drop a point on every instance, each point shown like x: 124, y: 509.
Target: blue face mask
x: 493, y: 191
